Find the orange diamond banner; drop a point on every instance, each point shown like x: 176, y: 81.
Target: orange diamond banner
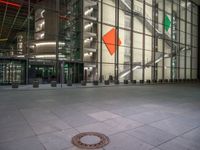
x: 110, y: 41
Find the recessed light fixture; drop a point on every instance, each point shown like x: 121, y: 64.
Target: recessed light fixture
x: 48, y: 43
x: 87, y: 12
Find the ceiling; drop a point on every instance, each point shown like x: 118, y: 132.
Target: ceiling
x: 13, y: 19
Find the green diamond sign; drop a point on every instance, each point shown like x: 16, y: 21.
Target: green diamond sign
x: 167, y: 23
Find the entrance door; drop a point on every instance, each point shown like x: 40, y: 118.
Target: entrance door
x: 73, y: 72
x: 43, y: 73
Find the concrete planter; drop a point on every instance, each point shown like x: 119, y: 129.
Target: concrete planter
x: 95, y: 82
x: 133, y: 81
x: 106, y: 82
x: 184, y: 80
x: 166, y: 81
x: 180, y: 80
x: 116, y: 82
x: 83, y: 83
x: 148, y: 81
x: 141, y: 81
x: 35, y: 84
x: 53, y: 84
x: 175, y: 80
x: 154, y: 81
x: 15, y: 85
x: 69, y: 83
x: 125, y: 81
x: 188, y: 80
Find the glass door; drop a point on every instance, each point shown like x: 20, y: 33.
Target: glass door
x: 73, y: 72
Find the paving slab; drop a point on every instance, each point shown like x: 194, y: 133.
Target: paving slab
x: 154, y: 117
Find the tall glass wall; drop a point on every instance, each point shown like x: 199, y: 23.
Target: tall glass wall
x: 91, y: 40
x: 154, y: 39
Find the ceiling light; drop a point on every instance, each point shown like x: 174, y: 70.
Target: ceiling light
x: 48, y: 43
x: 42, y: 13
x: 88, y: 25
x: 158, y: 60
x: 87, y: 12
x: 88, y: 40
x: 42, y: 23
x: 2, y: 40
x: 42, y: 35
x: 88, y: 54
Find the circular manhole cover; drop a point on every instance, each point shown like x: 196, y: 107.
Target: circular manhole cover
x: 90, y: 140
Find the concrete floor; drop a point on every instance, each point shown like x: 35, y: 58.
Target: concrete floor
x: 153, y: 117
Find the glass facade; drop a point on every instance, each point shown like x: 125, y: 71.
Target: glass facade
x: 157, y: 39
x: 91, y: 40
x: 12, y: 70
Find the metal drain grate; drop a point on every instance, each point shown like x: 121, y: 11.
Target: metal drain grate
x: 102, y: 141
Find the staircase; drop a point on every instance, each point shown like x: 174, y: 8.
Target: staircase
x: 138, y: 12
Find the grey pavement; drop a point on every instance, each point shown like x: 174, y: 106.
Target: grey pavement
x: 152, y: 117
